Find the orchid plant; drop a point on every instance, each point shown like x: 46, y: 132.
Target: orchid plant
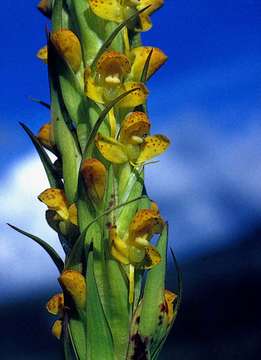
x: 113, y: 302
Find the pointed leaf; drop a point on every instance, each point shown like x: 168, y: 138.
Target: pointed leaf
x: 146, y: 67
x: 53, y: 177
x: 154, y: 290
x: 51, y: 252
x: 57, y: 15
x: 43, y: 103
x: 98, y: 330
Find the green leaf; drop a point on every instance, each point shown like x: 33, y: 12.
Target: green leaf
x: 51, y: 252
x: 43, y: 103
x: 64, y: 139
x: 99, y: 334
x: 85, y: 21
x: 52, y: 175
x: 154, y: 290
x: 107, y: 43
x: 145, y: 70
x: 176, y: 309
x: 180, y: 283
x: 57, y: 15
x: 78, y: 337
x: 133, y: 189
x: 70, y: 352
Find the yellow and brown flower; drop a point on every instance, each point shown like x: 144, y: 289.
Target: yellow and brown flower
x: 133, y: 145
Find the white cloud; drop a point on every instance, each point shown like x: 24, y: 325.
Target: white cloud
x: 24, y: 265
x: 207, y: 185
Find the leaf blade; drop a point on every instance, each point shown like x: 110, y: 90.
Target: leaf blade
x: 51, y: 252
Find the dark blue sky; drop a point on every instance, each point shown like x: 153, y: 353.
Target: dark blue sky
x: 214, y: 64
x: 206, y: 99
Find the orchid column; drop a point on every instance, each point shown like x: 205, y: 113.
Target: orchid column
x: 113, y: 302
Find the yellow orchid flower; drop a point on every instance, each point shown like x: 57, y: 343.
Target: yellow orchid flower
x: 120, y: 10
x: 109, y: 81
x: 134, y: 145
x: 55, y: 200
x: 135, y: 248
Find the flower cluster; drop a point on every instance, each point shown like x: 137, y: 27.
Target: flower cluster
x: 113, y: 235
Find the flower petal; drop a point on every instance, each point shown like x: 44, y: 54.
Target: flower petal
x: 140, y: 55
x: 145, y: 222
x: 170, y: 298
x: 134, y: 124
x: 111, y: 149
x: 45, y: 7
x: 69, y: 47
x: 55, y: 200
x: 113, y: 62
x: 119, y: 248
x: 135, y: 98
x: 145, y: 21
x: 45, y: 135
x: 73, y: 214
x: 74, y: 283
x: 57, y: 329
x: 152, y: 257
x: 94, y: 175
x: 92, y: 90
x: 55, y: 305
x: 42, y: 54
x: 152, y: 146
x: 108, y: 10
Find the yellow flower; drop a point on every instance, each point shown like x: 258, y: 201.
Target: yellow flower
x: 55, y: 200
x: 109, y: 81
x: 135, y: 248
x: 120, y: 10
x: 133, y: 145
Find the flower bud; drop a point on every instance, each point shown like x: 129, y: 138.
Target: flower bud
x: 68, y: 46
x: 57, y: 329
x: 45, y: 7
x: 94, y: 175
x: 55, y: 305
x: 74, y: 283
x: 45, y: 135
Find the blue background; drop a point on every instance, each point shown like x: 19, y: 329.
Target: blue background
x: 207, y: 100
